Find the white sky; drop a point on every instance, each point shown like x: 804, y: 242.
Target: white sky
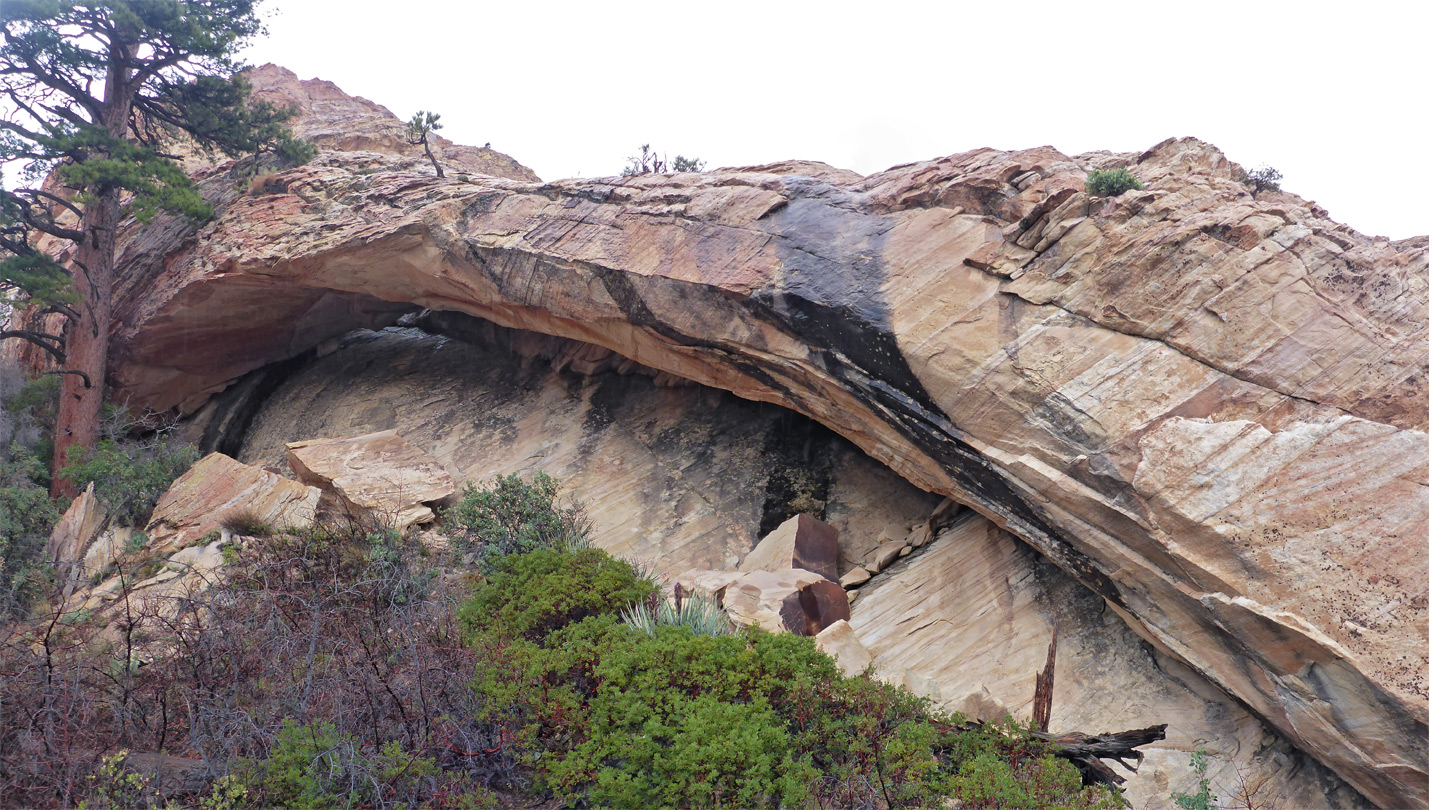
x: 1331, y: 94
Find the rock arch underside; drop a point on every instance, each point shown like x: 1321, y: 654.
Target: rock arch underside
x: 1208, y: 409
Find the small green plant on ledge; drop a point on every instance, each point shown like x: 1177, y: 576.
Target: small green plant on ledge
x: 1111, y: 182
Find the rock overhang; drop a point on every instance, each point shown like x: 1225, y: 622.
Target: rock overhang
x: 1065, y: 365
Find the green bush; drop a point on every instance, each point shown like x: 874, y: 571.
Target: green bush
x: 316, y: 767
x: 1043, y: 783
x: 529, y: 596
x: 509, y: 516
x: 1264, y: 178
x: 116, y: 787
x: 26, y: 517
x: 26, y: 512
x: 1203, y: 798
x: 129, y: 475
x: 1111, y: 182
x: 651, y: 714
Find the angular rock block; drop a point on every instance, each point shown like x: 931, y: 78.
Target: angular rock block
x: 379, y: 474
x: 883, y: 556
x: 800, y: 542
x: 77, y: 528
x: 217, y: 487
x: 792, y: 600
x: 855, y: 577
x: 838, y: 640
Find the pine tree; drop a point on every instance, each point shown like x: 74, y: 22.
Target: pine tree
x: 419, y: 131
x: 92, y: 90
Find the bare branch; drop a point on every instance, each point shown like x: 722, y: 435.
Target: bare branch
x: 82, y: 375
x: 35, y: 192
x: 47, y: 224
x: 54, y: 344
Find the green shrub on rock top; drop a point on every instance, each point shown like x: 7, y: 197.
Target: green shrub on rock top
x: 1111, y: 182
x: 1265, y: 178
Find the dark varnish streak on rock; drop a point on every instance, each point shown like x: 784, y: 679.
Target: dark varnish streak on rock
x: 799, y: 452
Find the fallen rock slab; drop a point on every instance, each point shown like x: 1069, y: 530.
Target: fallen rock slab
x: 380, y: 475
x: 77, y: 528
x: 855, y: 577
x: 799, y: 542
x: 884, y: 555
x: 839, y: 641
x: 216, y: 488
x: 792, y: 600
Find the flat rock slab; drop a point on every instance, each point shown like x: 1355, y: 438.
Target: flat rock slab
x: 379, y: 474
x: 799, y: 542
x: 218, y: 487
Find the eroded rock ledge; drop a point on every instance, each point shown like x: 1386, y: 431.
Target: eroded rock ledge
x: 1208, y: 408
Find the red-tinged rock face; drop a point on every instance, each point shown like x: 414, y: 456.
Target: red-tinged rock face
x: 1208, y: 408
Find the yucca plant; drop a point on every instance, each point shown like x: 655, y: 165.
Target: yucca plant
x: 695, y: 611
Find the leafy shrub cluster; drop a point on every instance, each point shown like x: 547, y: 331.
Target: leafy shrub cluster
x: 651, y: 162
x: 1111, y: 182
x: 509, y: 516
x: 129, y: 473
x: 616, y: 713
x: 322, y: 669
x: 26, y: 512
x: 1261, y: 179
x: 327, y: 669
x: 1203, y: 798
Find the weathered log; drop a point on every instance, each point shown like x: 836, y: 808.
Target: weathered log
x: 1042, y: 695
x: 1086, y: 751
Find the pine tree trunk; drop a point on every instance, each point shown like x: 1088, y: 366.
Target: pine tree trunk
x: 87, y: 339
x: 427, y: 146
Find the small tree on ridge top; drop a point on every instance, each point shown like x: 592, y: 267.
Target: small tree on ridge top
x: 651, y: 162
x: 422, y: 125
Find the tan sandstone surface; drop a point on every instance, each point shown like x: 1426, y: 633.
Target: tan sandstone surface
x: 1208, y: 408
x: 968, y: 613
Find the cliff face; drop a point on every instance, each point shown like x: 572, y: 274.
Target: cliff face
x: 1208, y: 409
x: 683, y: 476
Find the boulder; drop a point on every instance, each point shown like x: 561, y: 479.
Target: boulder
x: 792, y: 600
x: 855, y: 577
x: 70, y: 538
x: 381, y: 475
x: 799, y: 542
x: 943, y: 514
x: 921, y: 535
x: 884, y: 555
x: 216, y: 488
x: 839, y: 640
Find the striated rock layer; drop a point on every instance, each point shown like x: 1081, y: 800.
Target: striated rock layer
x: 685, y: 477
x: 1208, y: 408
